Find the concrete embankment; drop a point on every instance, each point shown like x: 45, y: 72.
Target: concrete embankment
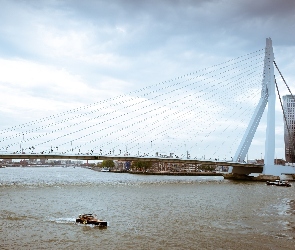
x: 173, y: 173
x: 261, y: 177
x: 236, y: 177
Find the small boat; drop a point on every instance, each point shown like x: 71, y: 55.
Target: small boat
x: 279, y: 183
x: 105, y: 170
x: 91, y: 219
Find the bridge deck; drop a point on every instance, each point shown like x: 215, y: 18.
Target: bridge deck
x: 125, y: 158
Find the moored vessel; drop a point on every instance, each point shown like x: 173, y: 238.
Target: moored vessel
x: 279, y: 183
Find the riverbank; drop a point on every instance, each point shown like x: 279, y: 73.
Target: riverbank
x: 261, y: 177
x: 171, y: 173
x: 230, y: 176
x: 236, y: 177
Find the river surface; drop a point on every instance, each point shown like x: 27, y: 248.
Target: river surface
x: 38, y: 207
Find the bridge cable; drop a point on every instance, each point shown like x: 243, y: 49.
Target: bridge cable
x: 179, y: 128
x: 117, y: 97
x: 283, y: 79
x: 132, y: 105
x: 181, y: 99
x: 165, y: 99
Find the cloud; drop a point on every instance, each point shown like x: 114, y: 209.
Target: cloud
x: 25, y: 84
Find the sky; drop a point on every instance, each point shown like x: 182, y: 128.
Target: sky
x: 60, y: 55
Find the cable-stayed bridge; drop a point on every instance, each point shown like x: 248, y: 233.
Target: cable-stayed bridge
x: 201, y: 116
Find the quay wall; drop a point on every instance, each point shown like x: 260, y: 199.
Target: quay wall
x: 173, y: 173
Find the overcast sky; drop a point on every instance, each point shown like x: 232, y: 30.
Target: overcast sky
x: 59, y: 55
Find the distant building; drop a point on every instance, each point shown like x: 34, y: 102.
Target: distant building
x: 289, y: 127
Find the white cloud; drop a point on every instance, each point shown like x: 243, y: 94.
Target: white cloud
x: 43, y: 88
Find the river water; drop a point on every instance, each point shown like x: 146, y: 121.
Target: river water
x: 38, y: 207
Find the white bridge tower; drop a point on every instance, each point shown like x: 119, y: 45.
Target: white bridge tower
x: 268, y: 96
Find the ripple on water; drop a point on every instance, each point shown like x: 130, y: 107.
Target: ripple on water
x: 85, y: 177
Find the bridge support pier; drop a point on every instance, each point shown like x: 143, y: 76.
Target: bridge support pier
x: 246, y: 170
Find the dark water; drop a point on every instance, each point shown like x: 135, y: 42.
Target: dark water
x: 38, y: 207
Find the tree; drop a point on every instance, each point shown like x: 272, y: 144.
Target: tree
x: 141, y: 165
x: 209, y: 168
x: 107, y: 164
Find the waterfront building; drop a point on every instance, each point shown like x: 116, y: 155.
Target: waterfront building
x: 289, y: 127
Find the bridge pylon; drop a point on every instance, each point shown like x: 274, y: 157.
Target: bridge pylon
x: 268, y: 96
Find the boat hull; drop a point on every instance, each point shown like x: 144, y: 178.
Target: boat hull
x: 93, y: 222
x: 278, y: 183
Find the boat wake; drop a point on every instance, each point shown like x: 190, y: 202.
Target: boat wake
x: 63, y: 220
